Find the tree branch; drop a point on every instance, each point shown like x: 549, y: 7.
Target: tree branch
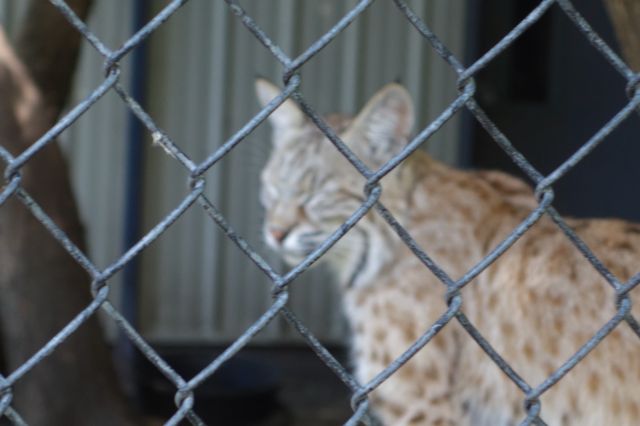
x: 49, y: 47
x: 625, y: 15
x: 41, y: 287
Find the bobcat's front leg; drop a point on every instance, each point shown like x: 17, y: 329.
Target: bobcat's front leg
x: 419, y: 392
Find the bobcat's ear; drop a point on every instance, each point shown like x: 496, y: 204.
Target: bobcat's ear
x: 287, y: 116
x: 383, y: 126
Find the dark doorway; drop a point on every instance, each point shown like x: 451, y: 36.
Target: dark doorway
x: 549, y: 93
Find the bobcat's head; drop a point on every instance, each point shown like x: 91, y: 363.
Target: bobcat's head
x: 309, y: 189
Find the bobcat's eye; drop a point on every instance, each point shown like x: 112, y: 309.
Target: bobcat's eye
x: 332, y: 205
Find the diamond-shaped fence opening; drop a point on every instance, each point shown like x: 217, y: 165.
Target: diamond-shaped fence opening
x: 196, y: 197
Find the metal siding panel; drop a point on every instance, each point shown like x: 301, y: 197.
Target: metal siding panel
x: 159, y: 281
x: 441, y: 86
x: 11, y: 12
x: 95, y: 146
x: 196, y: 285
x: 171, y: 282
x: 202, y: 99
x: 211, y: 291
x: 238, y: 275
x: 349, y: 81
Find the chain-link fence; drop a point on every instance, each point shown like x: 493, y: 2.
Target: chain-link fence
x: 197, y: 168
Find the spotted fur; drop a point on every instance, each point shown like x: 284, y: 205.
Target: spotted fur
x: 537, y: 305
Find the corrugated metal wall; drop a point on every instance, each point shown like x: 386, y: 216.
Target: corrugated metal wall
x: 196, y: 286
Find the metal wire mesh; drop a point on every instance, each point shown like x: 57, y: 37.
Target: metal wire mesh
x: 290, y: 67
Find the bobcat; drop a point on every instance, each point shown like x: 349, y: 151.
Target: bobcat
x: 536, y: 305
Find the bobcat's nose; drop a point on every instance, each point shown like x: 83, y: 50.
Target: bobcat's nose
x: 279, y: 234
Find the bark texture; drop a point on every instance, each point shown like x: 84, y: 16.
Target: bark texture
x: 41, y: 287
x: 625, y: 16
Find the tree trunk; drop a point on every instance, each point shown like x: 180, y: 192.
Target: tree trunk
x: 625, y: 15
x: 41, y: 287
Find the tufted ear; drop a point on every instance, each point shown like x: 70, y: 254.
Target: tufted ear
x: 287, y: 116
x: 383, y: 126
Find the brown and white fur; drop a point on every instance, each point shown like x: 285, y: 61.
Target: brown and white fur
x: 536, y: 305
